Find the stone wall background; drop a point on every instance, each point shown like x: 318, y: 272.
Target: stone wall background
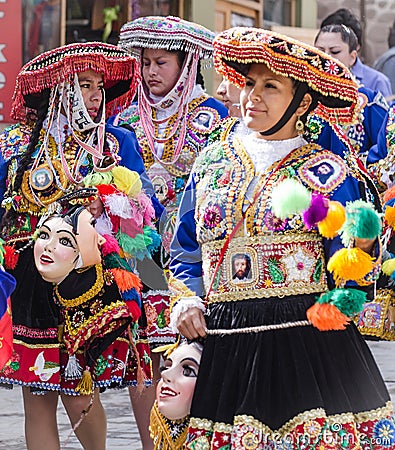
x: 379, y: 17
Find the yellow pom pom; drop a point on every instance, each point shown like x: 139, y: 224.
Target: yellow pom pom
x: 334, y: 220
x: 388, y: 267
x: 390, y: 216
x: 127, y: 181
x: 350, y: 264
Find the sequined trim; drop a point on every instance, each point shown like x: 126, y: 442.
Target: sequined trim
x: 309, y: 430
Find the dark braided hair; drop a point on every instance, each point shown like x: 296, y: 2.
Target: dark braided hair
x: 26, y: 159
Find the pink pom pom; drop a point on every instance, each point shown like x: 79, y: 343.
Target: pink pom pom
x: 146, y: 206
x: 110, y: 246
x: 317, y: 210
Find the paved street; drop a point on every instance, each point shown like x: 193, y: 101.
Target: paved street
x: 122, y: 430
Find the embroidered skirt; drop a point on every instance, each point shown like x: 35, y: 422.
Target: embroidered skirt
x: 288, y: 388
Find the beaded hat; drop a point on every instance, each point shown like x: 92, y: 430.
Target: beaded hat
x: 120, y: 71
x: 169, y: 33
x: 337, y: 93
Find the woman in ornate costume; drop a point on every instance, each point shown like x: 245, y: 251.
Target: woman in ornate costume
x: 61, y: 99
x: 172, y: 121
x: 282, y: 364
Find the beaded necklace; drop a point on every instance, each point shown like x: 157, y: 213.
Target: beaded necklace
x: 173, y: 146
x: 176, y: 123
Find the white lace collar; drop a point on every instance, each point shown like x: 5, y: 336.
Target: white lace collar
x: 264, y: 153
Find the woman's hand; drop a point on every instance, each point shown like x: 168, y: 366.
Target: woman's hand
x: 192, y: 324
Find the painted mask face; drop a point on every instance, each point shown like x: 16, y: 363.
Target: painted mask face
x: 55, y: 250
x: 177, y: 384
x: 88, y: 240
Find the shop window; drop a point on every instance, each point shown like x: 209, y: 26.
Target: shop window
x: 41, y: 30
x: 281, y: 12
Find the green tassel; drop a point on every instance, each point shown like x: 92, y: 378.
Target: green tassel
x: 347, y: 300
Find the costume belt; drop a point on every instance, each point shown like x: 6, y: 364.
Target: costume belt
x: 265, y: 266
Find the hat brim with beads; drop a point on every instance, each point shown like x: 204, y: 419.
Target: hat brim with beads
x: 168, y: 33
x: 235, y: 49
x: 121, y: 75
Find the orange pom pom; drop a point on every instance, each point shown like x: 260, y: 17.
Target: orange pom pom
x: 389, y: 194
x: 126, y: 280
x: 350, y: 264
x: 327, y: 317
x: 334, y: 220
x: 389, y: 216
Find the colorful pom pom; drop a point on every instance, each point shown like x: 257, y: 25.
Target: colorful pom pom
x: 389, y: 216
x: 389, y: 194
x: 96, y: 178
x: 349, y: 264
x: 290, y: 197
x: 126, y: 280
x: 348, y: 301
x: 127, y: 181
x: 327, y: 317
x: 317, y: 210
x: 362, y: 221
x: 334, y: 220
x: 388, y: 267
x: 110, y: 245
x: 11, y: 257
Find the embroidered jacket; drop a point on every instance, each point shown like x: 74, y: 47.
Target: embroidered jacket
x: 214, y: 201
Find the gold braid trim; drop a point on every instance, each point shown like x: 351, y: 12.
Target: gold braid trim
x: 160, y: 431
x: 92, y: 292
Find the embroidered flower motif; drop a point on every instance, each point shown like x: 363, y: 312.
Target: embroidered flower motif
x: 312, y: 428
x: 78, y: 318
x: 299, y: 265
x: 250, y: 441
x: 299, y: 52
x: 331, y: 67
x: 212, y: 216
x: 273, y: 223
x: 384, y: 433
x: 225, y: 178
x: 96, y: 306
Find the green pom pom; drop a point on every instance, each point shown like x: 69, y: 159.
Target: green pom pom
x: 96, y: 178
x: 362, y: 221
x: 290, y: 197
x: 114, y: 261
x: 348, y: 301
